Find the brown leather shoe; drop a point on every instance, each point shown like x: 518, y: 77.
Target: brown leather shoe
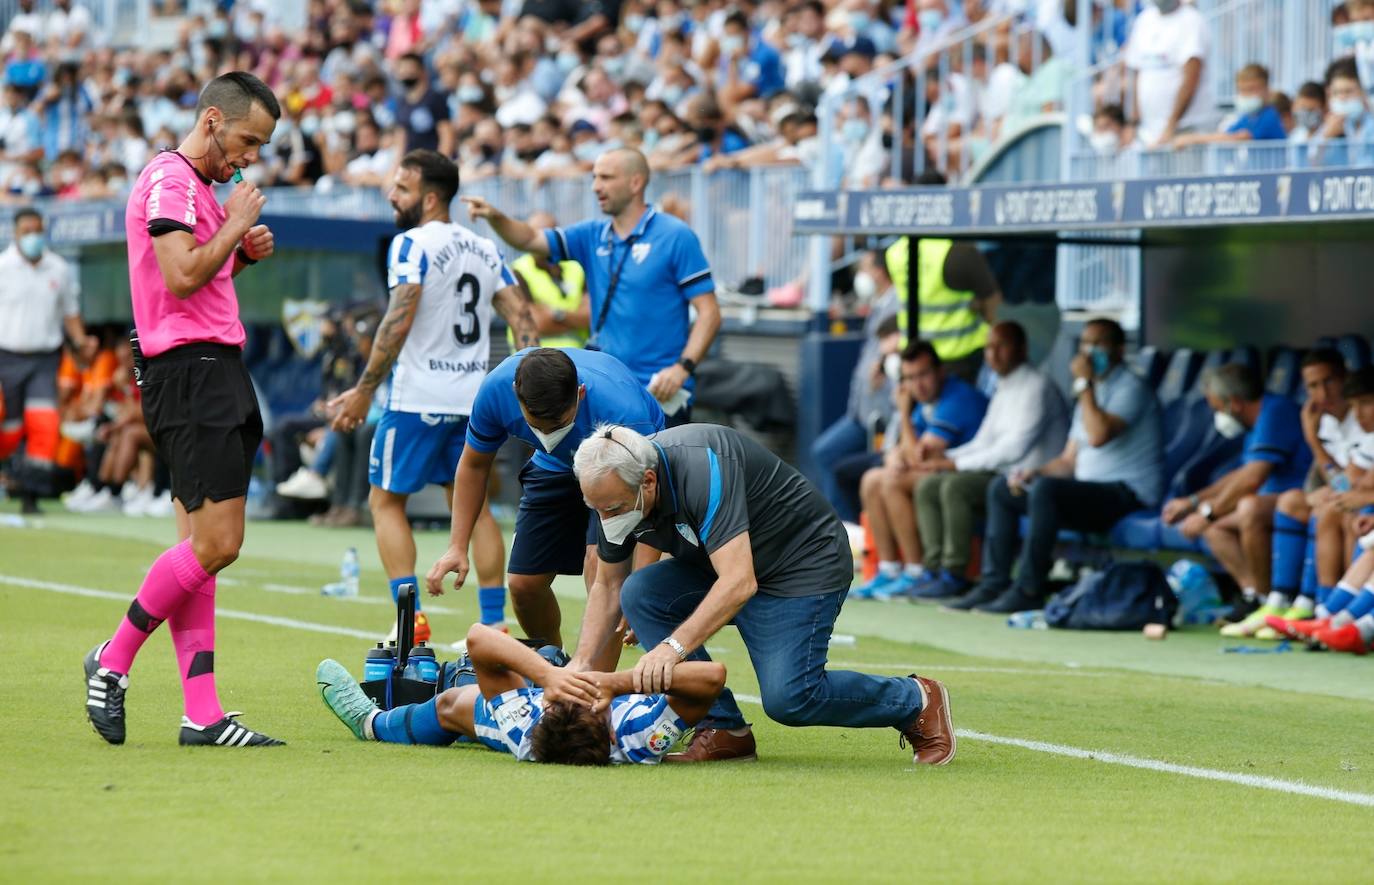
x: 717, y: 745
x: 932, y: 735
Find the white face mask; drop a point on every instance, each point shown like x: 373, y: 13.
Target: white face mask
x: 1104, y: 142
x: 617, y: 528
x: 892, y: 367
x: 1248, y: 104
x: 865, y: 286
x: 551, y: 440
x: 1227, y: 425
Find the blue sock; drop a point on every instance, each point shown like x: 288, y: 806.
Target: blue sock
x: 396, y: 589
x: 1309, y: 562
x: 1361, y: 605
x: 1290, y: 542
x: 1338, y: 599
x: 412, y: 724
x: 492, y: 601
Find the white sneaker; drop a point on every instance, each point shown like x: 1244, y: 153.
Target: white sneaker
x: 305, y: 484
x: 128, y: 492
x: 79, y: 496
x: 102, y: 501
x: 161, y: 506
x: 137, y: 504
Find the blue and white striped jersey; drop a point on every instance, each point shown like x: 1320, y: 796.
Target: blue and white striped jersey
x: 445, y: 356
x: 643, y: 727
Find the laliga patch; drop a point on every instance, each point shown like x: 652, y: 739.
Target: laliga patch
x: 663, y: 737
x: 686, y: 532
x: 512, y: 714
x: 640, y: 251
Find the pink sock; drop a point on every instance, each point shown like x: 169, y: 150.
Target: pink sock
x: 193, y: 636
x: 174, y: 576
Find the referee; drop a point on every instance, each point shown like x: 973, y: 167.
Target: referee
x: 184, y: 251
x: 644, y: 268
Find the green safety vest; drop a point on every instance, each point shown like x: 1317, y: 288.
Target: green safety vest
x: 948, y: 320
x: 545, y: 290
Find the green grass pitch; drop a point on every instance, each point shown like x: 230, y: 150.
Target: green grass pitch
x: 821, y: 805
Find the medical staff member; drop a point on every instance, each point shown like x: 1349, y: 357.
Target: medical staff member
x: 644, y: 268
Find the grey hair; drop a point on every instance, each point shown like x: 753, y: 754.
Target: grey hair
x: 613, y: 448
x: 1233, y: 381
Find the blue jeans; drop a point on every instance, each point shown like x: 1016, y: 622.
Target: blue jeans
x: 788, y: 638
x: 845, y: 437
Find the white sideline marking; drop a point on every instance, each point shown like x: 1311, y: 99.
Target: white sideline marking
x: 293, y: 590
x: 951, y: 668
x: 1278, y: 785
x: 72, y: 590
x: 1293, y: 788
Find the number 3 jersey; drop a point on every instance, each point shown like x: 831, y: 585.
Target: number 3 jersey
x: 445, y: 357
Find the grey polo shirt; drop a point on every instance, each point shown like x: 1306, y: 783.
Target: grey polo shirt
x: 1135, y: 456
x: 714, y: 484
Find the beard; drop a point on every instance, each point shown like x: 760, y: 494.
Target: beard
x: 408, y: 218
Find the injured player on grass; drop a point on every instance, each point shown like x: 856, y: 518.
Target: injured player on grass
x: 526, y: 706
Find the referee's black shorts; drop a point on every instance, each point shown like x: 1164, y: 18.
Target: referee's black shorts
x: 203, y: 416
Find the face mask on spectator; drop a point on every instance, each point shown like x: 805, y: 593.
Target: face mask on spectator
x: 614, y: 65
x: 1104, y: 142
x: 930, y: 20
x: 344, y: 122
x: 672, y: 94
x: 1347, y: 107
x: 1308, y: 119
x: 32, y: 245
x: 796, y: 41
x: 650, y: 139
x: 731, y: 44
x: 568, y: 60
x: 1227, y: 425
x: 410, y: 82
x: 854, y: 131
x: 470, y: 94
x: 309, y: 126
x: 892, y: 367
x: 859, y: 20
x: 1167, y: 6
x: 634, y: 22
x: 865, y: 286
x: 1248, y: 104
x: 587, y: 151
x: 671, y: 23
x: 1101, y: 362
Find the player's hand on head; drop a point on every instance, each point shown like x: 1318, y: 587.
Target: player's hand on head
x: 564, y: 685
x: 259, y: 243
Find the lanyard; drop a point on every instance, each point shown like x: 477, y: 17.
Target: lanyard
x: 610, y: 290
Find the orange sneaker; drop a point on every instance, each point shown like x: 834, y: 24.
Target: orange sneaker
x: 1308, y: 629
x: 1346, y: 639
x: 421, y: 627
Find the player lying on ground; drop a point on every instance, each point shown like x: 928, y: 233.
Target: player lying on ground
x: 524, y: 705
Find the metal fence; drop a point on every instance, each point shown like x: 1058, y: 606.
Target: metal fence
x: 1233, y: 158
x: 742, y: 217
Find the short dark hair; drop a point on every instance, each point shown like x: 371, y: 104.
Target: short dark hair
x: 570, y: 734
x: 918, y: 349
x: 415, y: 57
x: 1113, y: 112
x: 737, y: 18
x: 1342, y: 69
x: 1325, y: 356
x: 1116, y: 336
x: 235, y: 93
x: 27, y: 212
x: 1234, y: 380
x: 546, y: 383
x: 889, y: 326
x: 1360, y: 383
x: 1313, y: 90
x: 1014, y: 331
x: 438, y: 173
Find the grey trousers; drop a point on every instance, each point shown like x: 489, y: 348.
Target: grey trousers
x: 948, y: 506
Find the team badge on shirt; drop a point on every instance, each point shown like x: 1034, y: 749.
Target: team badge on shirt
x: 686, y: 532
x: 639, y: 252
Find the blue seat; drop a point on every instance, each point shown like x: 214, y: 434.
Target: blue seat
x: 1149, y: 363
x: 1285, y: 373
x: 1355, y: 350
x: 1180, y: 371
x: 1246, y: 355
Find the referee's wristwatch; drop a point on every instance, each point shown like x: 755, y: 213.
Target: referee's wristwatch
x: 676, y: 647
x: 688, y: 364
x: 1205, y: 511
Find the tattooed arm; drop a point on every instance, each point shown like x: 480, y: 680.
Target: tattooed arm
x: 350, y: 407
x: 515, y: 306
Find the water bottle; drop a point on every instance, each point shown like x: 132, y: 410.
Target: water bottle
x: 421, y: 665
x: 1031, y: 620
x: 1196, y: 592
x: 1336, y: 478
x: 348, y: 572
x: 380, y: 661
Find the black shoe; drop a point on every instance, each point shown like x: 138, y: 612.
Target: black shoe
x: 28, y: 505
x: 105, y: 690
x: 224, y: 733
x: 983, y: 593
x: 1014, y: 600
x: 945, y: 586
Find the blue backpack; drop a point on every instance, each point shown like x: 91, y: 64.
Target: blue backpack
x: 1126, y: 596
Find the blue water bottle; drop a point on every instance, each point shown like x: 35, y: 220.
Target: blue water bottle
x: 348, y: 572
x: 379, y: 662
x: 422, y: 665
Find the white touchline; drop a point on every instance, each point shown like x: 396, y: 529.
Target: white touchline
x: 1295, y: 788
x: 954, y: 668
